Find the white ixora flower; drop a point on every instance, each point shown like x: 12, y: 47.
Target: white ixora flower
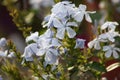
x: 34, y: 36
x: 80, y: 12
x: 63, y: 27
x: 110, y: 25
x: 111, y: 50
x: 80, y: 43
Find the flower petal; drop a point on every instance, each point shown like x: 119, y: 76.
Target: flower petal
x: 57, y: 23
x: 60, y: 33
x: 105, y: 25
x: 97, y: 45
x: 78, y: 16
x: 82, y: 7
x: 33, y: 36
x: 88, y: 18
x: 71, y: 33
x: 41, y: 52
x: 115, y: 54
x: 117, y: 49
x: 55, y: 42
x: 50, y: 58
x: 108, y: 53
x: 91, y: 44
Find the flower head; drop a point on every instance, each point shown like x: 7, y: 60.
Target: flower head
x: 80, y: 43
x: 111, y: 49
x: 64, y: 7
x: 96, y: 43
x: 109, y: 36
x: 80, y: 12
x: 109, y: 25
x: 63, y: 27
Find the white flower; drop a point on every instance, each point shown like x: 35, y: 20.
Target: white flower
x: 51, y: 56
x: 7, y: 54
x: 111, y: 49
x: 29, y: 51
x: 109, y: 36
x: 3, y: 42
x: 46, y: 44
x: 109, y: 25
x: 80, y: 43
x: 34, y: 36
x: 64, y: 7
x: 47, y: 40
x: 95, y: 43
x: 64, y: 26
x: 80, y: 12
x: 59, y: 12
x: 50, y: 19
x: 3, y: 53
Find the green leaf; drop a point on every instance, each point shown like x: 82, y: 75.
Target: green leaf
x: 97, y: 66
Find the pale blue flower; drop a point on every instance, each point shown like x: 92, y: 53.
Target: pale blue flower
x: 111, y: 50
x: 29, y: 51
x: 34, y: 36
x: 50, y: 19
x: 80, y: 12
x: 64, y: 7
x: 3, y: 42
x: 80, y: 43
x: 95, y: 43
x: 109, y: 25
x: 7, y: 53
x: 109, y: 36
x: 63, y: 27
x: 51, y: 56
x: 46, y: 45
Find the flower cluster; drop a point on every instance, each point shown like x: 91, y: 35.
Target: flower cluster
x: 64, y: 18
x: 107, y: 36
